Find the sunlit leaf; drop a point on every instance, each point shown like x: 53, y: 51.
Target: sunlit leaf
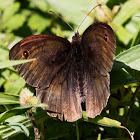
x: 16, y: 111
x: 9, y: 63
x: 38, y: 26
x: 8, y: 99
x: 104, y: 121
x: 4, y: 53
x: 128, y: 9
x: 10, y: 11
x: 12, y: 25
x: 130, y: 57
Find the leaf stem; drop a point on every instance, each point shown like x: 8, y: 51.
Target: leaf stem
x: 132, y: 104
x: 135, y: 37
x: 130, y: 133
x: 77, y: 130
x: 34, y: 124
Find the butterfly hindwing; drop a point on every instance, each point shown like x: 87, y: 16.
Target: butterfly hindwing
x: 96, y: 90
x: 63, y: 98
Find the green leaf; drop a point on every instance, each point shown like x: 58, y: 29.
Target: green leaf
x: 133, y: 26
x: 5, y: 3
x: 123, y: 35
x: 14, y: 84
x: 2, y: 80
x: 73, y: 10
x: 12, y: 25
x: 14, y: 41
x: 41, y: 4
x: 130, y: 57
x: 134, y: 73
x: 4, y: 53
x: 10, y: 11
x: 38, y: 26
x: 104, y: 121
x: 120, y: 77
x: 16, y: 111
x: 126, y: 68
x: 4, y: 74
x: 8, y: 132
x: 19, y: 127
x: 6, y: 98
x: 6, y: 38
x: 8, y: 63
x: 128, y: 9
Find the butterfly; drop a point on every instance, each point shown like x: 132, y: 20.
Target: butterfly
x: 66, y: 74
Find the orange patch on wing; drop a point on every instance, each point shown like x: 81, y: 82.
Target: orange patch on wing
x: 31, y: 40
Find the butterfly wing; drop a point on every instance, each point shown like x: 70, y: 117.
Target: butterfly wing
x: 52, y: 73
x: 98, y: 42
x: 51, y: 53
x: 66, y: 104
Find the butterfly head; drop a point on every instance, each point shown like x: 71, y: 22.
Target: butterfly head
x: 76, y: 38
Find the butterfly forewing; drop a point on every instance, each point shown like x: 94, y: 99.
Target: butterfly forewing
x: 98, y: 42
x: 51, y: 53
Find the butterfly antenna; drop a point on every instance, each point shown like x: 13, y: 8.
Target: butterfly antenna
x: 62, y: 19
x: 87, y: 16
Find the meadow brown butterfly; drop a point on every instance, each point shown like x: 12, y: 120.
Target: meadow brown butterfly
x: 66, y: 74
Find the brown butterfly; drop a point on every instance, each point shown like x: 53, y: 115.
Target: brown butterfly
x: 66, y: 74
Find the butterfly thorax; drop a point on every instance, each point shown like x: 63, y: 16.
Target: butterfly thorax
x: 77, y: 48
x: 77, y: 57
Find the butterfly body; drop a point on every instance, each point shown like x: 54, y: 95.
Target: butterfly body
x: 66, y: 74
x: 77, y: 48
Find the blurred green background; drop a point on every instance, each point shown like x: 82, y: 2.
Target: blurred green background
x: 19, y: 19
